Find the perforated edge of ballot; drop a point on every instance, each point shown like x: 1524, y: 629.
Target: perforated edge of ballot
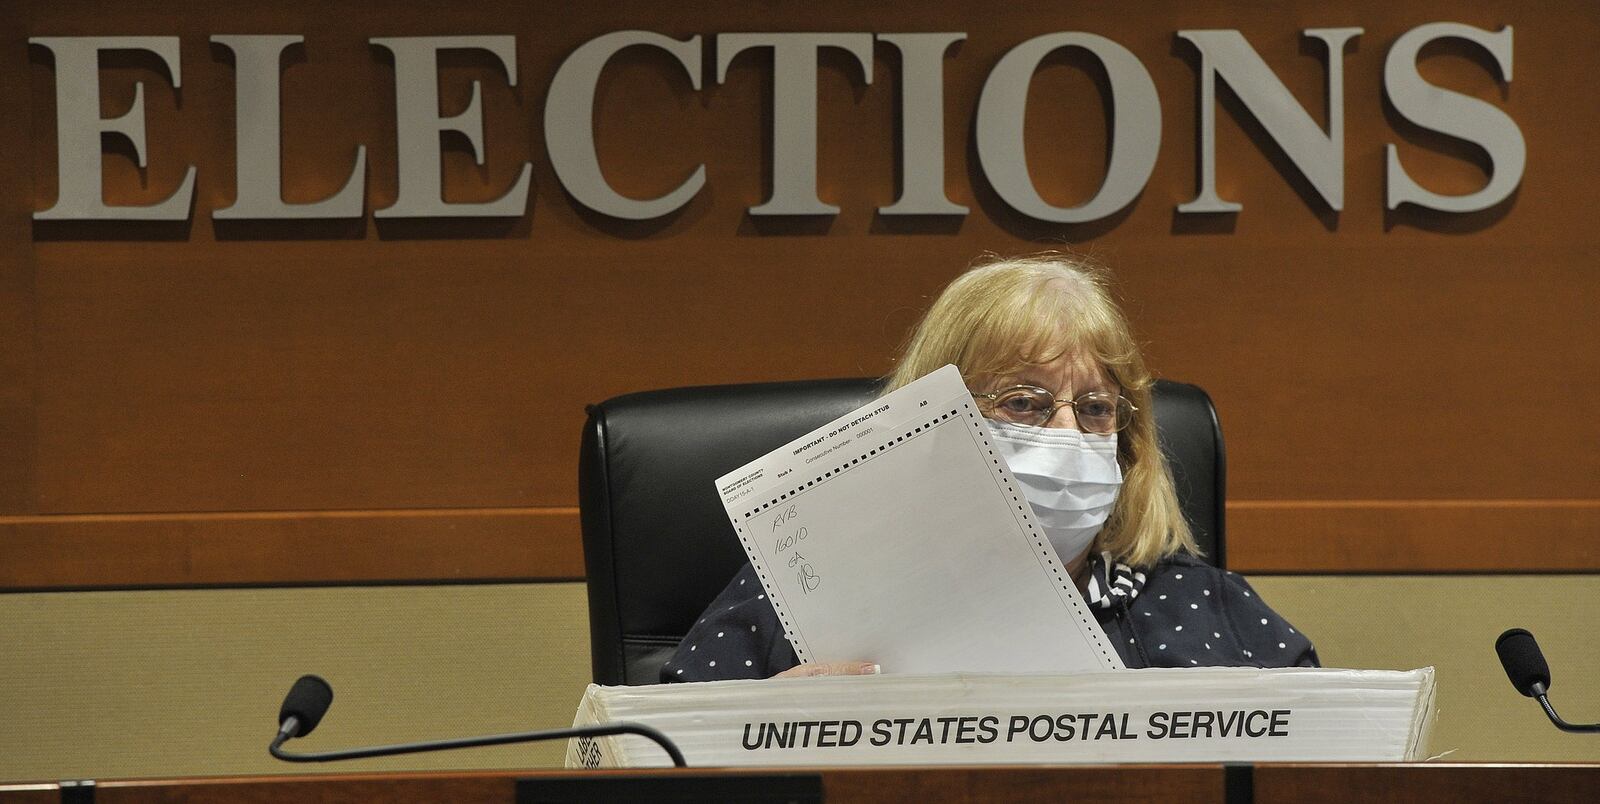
x: 1207, y: 714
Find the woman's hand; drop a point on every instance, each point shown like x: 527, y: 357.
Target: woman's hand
x: 831, y: 669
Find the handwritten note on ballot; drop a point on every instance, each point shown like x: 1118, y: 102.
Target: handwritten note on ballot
x: 896, y: 534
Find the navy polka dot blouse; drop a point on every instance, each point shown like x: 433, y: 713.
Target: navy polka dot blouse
x: 1180, y: 613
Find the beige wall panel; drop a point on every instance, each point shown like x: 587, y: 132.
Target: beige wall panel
x: 188, y: 683
x: 119, y: 684
x: 1402, y: 622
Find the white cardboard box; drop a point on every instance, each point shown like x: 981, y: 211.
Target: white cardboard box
x: 1206, y: 714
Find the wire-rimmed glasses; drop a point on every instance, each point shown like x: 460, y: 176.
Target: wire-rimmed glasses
x: 1097, y: 411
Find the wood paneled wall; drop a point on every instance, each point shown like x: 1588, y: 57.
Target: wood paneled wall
x: 213, y: 403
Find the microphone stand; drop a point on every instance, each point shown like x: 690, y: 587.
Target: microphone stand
x: 291, y: 728
x: 1544, y: 700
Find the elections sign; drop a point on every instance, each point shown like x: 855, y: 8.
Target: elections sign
x: 1316, y: 151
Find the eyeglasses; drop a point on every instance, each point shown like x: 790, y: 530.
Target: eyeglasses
x: 1096, y: 412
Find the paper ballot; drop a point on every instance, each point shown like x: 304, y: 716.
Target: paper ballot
x: 896, y: 534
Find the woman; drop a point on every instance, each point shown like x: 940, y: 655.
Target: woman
x: 1053, y: 365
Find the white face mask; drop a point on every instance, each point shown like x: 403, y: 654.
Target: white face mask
x: 1069, y: 478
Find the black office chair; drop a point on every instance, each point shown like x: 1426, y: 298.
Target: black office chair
x: 658, y: 545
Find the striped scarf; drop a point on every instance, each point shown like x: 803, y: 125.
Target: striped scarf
x: 1111, y: 583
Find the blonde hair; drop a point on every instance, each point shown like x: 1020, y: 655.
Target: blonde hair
x: 1004, y: 314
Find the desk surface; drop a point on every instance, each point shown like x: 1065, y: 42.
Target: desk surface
x: 1199, y: 783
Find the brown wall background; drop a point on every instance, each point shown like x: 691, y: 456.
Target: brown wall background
x: 216, y: 403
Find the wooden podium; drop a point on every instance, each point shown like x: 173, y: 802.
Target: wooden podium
x: 1234, y: 784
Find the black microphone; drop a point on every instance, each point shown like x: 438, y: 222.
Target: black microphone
x: 1525, y: 666
x: 308, y: 700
